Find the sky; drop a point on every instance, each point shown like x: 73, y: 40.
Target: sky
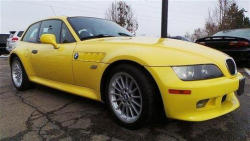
x: 184, y: 15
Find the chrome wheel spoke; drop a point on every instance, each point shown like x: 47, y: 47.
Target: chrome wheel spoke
x: 133, y: 107
x: 119, y: 106
x: 118, y: 84
x: 126, y: 81
x: 126, y: 112
x: 134, y: 90
x: 116, y: 88
x: 131, y: 112
x: 134, y: 97
x: 117, y: 100
x: 130, y: 85
x: 123, y: 109
x: 115, y: 94
x: 136, y: 103
x: 122, y: 82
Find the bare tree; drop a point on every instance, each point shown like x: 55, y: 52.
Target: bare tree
x: 189, y: 36
x: 211, y: 25
x: 198, y: 33
x: 122, y: 13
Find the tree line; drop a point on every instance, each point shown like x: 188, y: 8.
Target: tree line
x: 225, y: 16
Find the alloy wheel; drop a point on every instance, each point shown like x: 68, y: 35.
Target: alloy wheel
x: 125, y: 97
x: 17, y: 74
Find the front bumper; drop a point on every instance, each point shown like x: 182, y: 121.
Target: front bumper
x: 219, y: 91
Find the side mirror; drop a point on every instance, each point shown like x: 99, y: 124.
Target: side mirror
x: 49, y: 39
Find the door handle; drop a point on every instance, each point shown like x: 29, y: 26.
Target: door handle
x: 34, y: 51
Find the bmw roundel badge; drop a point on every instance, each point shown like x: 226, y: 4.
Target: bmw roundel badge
x: 76, y: 55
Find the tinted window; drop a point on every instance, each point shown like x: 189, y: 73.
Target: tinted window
x: 66, y: 36
x: 31, y: 34
x: 92, y: 27
x: 235, y: 33
x: 51, y: 27
x: 11, y: 35
x: 20, y: 33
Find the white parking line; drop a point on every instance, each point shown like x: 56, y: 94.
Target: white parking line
x: 247, y: 71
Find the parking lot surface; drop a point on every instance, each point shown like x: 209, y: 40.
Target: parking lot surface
x: 48, y: 114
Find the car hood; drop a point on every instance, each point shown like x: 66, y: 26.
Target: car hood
x: 155, y: 51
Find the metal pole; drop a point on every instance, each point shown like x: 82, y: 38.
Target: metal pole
x: 164, y: 19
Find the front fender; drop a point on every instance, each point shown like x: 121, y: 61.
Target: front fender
x: 23, y: 55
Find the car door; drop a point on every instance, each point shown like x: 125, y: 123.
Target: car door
x: 50, y: 63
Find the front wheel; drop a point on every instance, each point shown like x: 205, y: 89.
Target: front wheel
x: 132, y: 97
x: 19, y: 76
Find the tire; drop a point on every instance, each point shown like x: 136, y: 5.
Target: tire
x: 140, y: 99
x: 19, y: 76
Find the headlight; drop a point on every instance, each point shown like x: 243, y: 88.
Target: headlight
x: 197, y: 72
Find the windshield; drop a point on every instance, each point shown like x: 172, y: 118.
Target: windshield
x: 236, y: 33
x: 89, y: 28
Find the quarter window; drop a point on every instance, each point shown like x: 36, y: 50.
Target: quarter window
x: 51, y: 27
x: 66, y: 36
x: 20, y: 33
x: 31, y: 34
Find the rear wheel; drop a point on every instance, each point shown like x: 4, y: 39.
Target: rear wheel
x: 132, y: 97
x: 19, y: 76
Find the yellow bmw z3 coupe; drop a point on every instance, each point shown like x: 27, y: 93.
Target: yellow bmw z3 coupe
x: 137, y: 77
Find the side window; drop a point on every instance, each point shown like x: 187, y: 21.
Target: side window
x: 20, y: 33
x: 51, y: 27
x: 31, y: 34
x: 66, y: 36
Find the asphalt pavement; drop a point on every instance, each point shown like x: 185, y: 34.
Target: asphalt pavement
x: 48, y: 114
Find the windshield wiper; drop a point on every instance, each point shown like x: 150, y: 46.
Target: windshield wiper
x: 96, y: 36
x: 124, y: 34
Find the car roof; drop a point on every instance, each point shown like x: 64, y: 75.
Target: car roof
x: 65, y: 18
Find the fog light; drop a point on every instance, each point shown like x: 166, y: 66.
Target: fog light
x: 201, y: 103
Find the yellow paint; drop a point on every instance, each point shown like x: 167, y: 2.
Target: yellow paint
x: 58, y: 69
x: 90, y: 56
x: 183, y: 107
x: 54, y: 64
x: 81, y: 91
x: 49, y: 39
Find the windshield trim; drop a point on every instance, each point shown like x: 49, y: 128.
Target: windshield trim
x: 73, y: 27
x: 97, y: 36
